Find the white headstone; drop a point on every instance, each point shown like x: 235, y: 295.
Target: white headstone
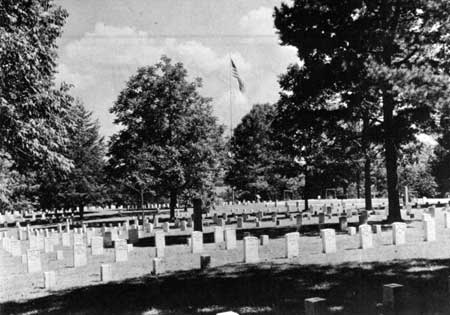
x: 34, y: 260
x: 160, y: 239
x: 365, y: 236
x: 426, y: 216
x: 429, y: 227
x: 399, y: 233
x: 197, y: 242
x: 158, y: 266
x: 148, y: 227
x: 48, y: 245
x: 120, y: 250
x: 291, y: 241
x: 251, y: 249
x: 105, y: 272
x: 65, y: 239
x: 230, y: 238
x: 447, y: 220
x: 97, y: 245
x: 218, y: 234
x: 328, y: 240
x: 49, y: 280
x: 15, y: 248
x: 79, y: 254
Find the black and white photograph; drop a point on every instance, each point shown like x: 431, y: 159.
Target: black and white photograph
x: 225, y: 157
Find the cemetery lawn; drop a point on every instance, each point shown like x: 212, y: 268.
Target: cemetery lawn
x: 351, y: 279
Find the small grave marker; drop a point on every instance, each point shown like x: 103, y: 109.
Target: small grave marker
x: 230, y: 239
x: 106, y: 273
x: 328, y: 240
x: 251, y: 249
x: 34, y: 260
x: 197, y: 242
x: 291, y: 241
x: 365, y: 236
x: 49, y: 280
x: 120, y: 250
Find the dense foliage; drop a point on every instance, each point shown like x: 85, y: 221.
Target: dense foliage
x: 388, y: 56
x: 161, y: 111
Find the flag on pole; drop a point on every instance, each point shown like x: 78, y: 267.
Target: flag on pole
x: 235, y: 74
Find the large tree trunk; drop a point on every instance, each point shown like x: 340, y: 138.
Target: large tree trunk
x: 197, y: 205
x: 391, y: 155
x: 305, y: 192
x: 367, y: 163
x: 367, y: 183
x: 358, y: 184
x: 81, y: 207
x: 173, y: 203
x: 142, y: 204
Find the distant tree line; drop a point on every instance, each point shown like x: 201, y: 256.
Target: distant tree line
x: 372, y: 76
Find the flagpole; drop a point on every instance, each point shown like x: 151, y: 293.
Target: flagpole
x: 231, y: 104
x: 231, y: 120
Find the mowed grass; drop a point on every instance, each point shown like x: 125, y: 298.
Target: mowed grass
x: 266, y: 288
x: 351, y: 280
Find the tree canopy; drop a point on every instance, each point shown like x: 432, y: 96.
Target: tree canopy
x: 255, y: 166
x: 31, y: 108
x: 161, y: 111
x: 85, y: 183
x: 388, y: 56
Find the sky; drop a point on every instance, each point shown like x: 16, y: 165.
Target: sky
x: 105, y: 41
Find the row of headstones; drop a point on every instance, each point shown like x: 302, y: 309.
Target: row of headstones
x: 79, y: 253
x: 46, y: 242
x: 320, y: 204
x: 260, y: 215
x: 50, y: 279
x: 52, y: 214
x: 251, y: 253
x: 328, y: 235
x: 251, y: 245
x: 10, y: 217
x: 274, y: 217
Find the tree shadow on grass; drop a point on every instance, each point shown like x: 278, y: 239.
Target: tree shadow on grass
x: 265, y: 288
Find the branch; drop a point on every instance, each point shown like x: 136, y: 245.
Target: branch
x: 398, y: 63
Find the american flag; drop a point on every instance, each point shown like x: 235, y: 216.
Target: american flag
x: 235, y: 74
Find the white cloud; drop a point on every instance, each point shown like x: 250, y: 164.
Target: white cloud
x: 79, y: 80
x: 100, y: 62
x: 258, y: 22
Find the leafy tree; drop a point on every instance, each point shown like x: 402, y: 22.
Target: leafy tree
x: 31, y: 109
x: 85, y: 183
x: 138, y: 181
x: 161, y: 111
x: 415, y: 170
x: 254, y: 161
x: 390, y: 54
x: 17, y: 191
x: 311, y: 132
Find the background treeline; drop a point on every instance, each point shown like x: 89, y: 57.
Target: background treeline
x: 372, y: 77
